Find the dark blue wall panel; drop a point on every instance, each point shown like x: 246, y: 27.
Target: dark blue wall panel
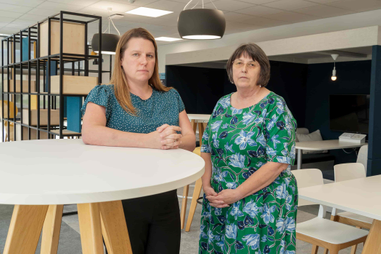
x: 374, y: 150
x: 200, y: 88
x: 352, y: 78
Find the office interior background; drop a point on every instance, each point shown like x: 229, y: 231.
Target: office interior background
x: 299, y: 36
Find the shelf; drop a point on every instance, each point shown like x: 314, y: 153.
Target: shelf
x: 75, y: 85
x: 55, y: 57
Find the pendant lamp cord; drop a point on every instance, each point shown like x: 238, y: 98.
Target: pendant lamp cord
x: 114, y: 26
x: 110, y: 21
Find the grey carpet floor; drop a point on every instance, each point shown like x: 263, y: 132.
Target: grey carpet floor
x: 70, y: 238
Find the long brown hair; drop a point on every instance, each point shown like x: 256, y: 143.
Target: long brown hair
x: 122, y: 90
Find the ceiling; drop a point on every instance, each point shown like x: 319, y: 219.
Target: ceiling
x: 241, y: 15
x: 352, y: 54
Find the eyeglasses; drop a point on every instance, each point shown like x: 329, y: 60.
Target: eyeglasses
x: 239, y: 64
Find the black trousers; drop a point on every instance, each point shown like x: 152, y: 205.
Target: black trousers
x: 153, y: 223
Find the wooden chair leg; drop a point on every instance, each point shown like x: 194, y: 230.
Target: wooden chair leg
x: 354, y: 247
x: 315, y: 249
x: 333, y: 251
x: 325, y: 251
x: 184, y: 206
x: 51, y: 230
x: 114, y: 228
x: 25, y: 229
x: 192, y: 209
x: 90, y: 228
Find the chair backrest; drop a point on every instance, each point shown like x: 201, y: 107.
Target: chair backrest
x: 307, y: 178
x: 197, y: 150
x: 11, y: 107
x: 301, y: 131
x: 362, y: 157
x: 348, y: 171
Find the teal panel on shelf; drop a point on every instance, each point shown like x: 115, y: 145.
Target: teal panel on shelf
x: 25, y: 51
x: 53, y: 71
x: 74, y: 105
x: 65, y: 106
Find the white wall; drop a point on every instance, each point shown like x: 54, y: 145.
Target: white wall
x: 364, y: 19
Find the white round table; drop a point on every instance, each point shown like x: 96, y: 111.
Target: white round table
x: 199, y: 118
x: 40, y: 173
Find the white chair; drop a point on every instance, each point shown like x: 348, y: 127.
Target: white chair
x: 344, y: 172
x: 319, y: 231
x: 362, y: 156
x: 301, y: 131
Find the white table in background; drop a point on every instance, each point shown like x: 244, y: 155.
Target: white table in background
x: 361, y: 196
x: 198, y: 120
x: 36, y: 176
x: 322, y: 145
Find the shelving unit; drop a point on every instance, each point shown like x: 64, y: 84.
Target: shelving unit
x: 45, y: 95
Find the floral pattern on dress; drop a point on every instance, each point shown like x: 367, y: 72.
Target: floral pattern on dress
x: 240, y: 142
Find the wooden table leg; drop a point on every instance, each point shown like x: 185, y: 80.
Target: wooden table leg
x: 192, y: 209
x: 90, y: 228
x: 25, y: 229
x: 184, y: 206
x: 51, y: 230
x: 114, y: 228
x: 373, y: 241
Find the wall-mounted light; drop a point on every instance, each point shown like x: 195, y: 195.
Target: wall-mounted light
x: 334, y: 57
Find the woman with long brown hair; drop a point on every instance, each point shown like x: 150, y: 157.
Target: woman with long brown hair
x: 137, y: 110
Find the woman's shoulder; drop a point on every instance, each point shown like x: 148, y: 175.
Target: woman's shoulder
x: 273, y: 100
x: 224, y: 101
x: 103, y: 89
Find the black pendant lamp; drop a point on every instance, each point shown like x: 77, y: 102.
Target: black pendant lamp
x: 201, y: 24
x: 109, y: 40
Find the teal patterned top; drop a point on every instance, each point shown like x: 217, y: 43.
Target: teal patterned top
x: 240, y: 142
x: 161, y: 108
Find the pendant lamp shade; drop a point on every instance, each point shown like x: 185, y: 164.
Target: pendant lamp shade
x: 109, y: 42
x: 201, y: 24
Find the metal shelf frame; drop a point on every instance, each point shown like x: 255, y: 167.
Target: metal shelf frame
x: 42, y: 65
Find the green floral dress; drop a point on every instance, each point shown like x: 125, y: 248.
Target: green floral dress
x: 240, y: 142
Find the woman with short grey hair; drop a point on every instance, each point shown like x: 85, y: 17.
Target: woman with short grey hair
x: 250, y: 200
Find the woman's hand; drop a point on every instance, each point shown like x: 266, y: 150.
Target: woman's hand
x: 154, y: 140
x: 227, y: 197
x: 170, y: 139
x: 211, y: 196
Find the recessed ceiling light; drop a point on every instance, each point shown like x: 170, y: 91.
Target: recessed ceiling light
x: 167, y: 39
x: 149, y: 12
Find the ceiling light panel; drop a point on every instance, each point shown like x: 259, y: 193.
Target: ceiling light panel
x: 149, y: 12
